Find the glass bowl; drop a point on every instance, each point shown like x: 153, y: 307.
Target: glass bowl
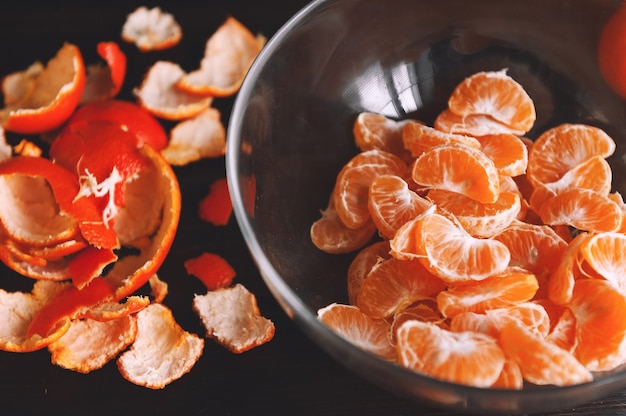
x: 291, y: 131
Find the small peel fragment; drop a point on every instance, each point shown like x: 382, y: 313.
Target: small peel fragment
x: 216, y: 206
x: 151, y: 29
x: 231, y: 317
x: 89, y: 344
x: 211, y: 269
x: 162, y: 351
x: 199, y: 137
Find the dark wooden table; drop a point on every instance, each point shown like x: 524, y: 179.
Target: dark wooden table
x: 289, y: 375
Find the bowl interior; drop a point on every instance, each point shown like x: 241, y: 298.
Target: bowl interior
x: 291, y: 131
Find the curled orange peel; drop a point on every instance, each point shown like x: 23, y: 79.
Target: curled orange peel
x: 42, y: 99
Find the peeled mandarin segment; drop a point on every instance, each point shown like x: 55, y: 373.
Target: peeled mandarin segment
x: 473, y: 124
x: 161, y: 352
x: 529, y: 314
x: 562, y: 279
x: 362, y: 264
x: 419, y: 138
x: 467, y: 358
x: 151, y: 29
x: 496, y: 94
x: 536, y: 248
x: 541, y: 361
x: 594, y: 174
x: 460, y: 169
x: 202, y: 136
x: 563, y: 332
x: 453, y: 255
x: 240, y: 327
x: 600, y: 310
x: 54, y: 95
x: 391, y: 204
x: 479, y: 220
x: 582, y: 209
x: 329, y: 234
x: 511, y: 377
x: 88, y: 345
x: 158, y: 93
x: 508, y: 152
x: 375, y: 131
x: 604, y: 253
x: 564, y: 147
x: 392, y: 285
x: 367, y: 333
x: 229, y: 52
x: 351, y: 191
x: 511, y: 287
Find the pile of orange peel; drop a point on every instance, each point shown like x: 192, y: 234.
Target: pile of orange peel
x: 91, y: 215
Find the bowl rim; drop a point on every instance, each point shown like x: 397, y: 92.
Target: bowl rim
x: 338, y: 347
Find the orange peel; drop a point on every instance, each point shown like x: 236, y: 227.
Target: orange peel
x: 158, y: 94
x: 88, y: 344
x: 162, y: 351
x: 151, y: 29
x: 228, y: 55
x: 199, y: 137
x: 238, y: 327
x: 46, y: 97
x: 105, y: 81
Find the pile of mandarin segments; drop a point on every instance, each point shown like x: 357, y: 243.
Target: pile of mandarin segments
x: 481, y: 257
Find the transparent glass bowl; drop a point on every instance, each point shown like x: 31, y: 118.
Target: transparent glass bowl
x: 291, y: 131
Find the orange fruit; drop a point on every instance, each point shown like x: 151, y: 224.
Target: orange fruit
x: 391, y: 204
x: 479, y: 220
x: 460, y: 169
x: 563, y: 332
x: 511, y: 287
x: 448, y: 251
x: 491, y: 322
x: 594, y: 173
x: 541, y: 361
x: 604, y: 254
x: 375, y: 131
x: 600, y: 310
x: 496, y: 94
x: 610, y: 50
x: 508, y: 152
x: 392, y: 285
x: 468, y: 358
x: 418, y: 138
x: 561, y: 148
x: 351, y: 192
x: 54, y: 95
x: 583, y: 209
x: 361, y: 265
x: 424, y: 310
x: 329, y: 234
x: 370, y: 334
x: 472, y: 124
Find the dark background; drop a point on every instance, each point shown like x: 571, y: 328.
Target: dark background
x: 288, y: 375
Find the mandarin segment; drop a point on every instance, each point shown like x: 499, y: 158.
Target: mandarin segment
x: 460, y: 169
